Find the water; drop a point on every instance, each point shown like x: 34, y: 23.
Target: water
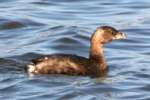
x: 30, y: 28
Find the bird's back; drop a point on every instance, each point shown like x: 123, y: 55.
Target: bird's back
x: 59, y: 64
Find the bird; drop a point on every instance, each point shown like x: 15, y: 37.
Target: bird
x: 70, y: 64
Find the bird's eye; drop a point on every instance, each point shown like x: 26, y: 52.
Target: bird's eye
x: 110, y: 31
x: 113, y: 33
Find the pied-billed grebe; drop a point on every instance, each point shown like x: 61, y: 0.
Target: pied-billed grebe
x: 95, y: 65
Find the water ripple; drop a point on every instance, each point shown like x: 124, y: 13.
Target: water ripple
x: 30, y: 29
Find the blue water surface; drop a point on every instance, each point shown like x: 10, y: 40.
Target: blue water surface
x: 31, y: 28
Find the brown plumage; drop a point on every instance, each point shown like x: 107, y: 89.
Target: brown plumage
x: 67, y: 64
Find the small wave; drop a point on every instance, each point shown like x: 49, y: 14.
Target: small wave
x: 11, y: 25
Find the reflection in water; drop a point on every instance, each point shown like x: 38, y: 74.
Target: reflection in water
x: 29, y: 29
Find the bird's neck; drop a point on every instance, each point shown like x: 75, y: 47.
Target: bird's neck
x: 97, y: 54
